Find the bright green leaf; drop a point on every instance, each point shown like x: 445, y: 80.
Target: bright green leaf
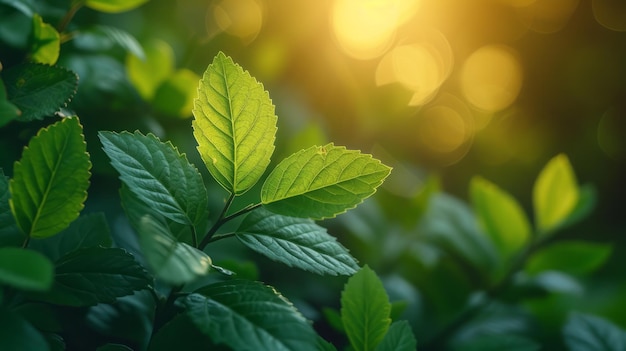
x: 322, y: 181
x: 590, y: 333
x: 50, y: 181
x: 17, y: 334
x: 365, y: 310
x: 146, y: 74
x: 296, y: 242
x: 500, y: 216
x: 93, y: 275
x: 176, y: 94
x: 114, y: 6
x: 234, y: 125
x: 572, y: 257
x: 399, y: 337
x: 173, y: 262
x: 498, y: 343
x: 46, y: 42
x: 25, y: 269
x: 39, y: 90
x: 555, y: 194
x: 248, y: 315
x: 10, y: 234
x: 159, y: 175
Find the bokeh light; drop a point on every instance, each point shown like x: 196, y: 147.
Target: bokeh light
x: 610, y: 13
x: 548, y: 16
x: 239, y: 18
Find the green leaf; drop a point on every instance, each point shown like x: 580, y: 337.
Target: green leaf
x: 87, y: 231
x: 114, y: 347
x: 101, y: 37
x: 159, y: 175
x: 46, y: 42
x: 500, y: 216
x: 323, y: 345
x: 10, y: 234
x: 498, y: 343
x: 590, y: 333
x: 93, y: 275
x: 248, y: 315
x: 573, y: 257
x: 17, y: 334
x: 176, y: 94
x: 114, y: 6
x: 39, y: 90
x: 234, y: 125
x: 8, y: 111
x: 399, y: 337
x: 25, y: 269
x: 555, y: 194
x: 180, y: 333
x: 146, y: 74
x: 365, y: 310
x: 173, y: 262
x: 322, y: 181
x: 50, y: 182
x: 296, y: 242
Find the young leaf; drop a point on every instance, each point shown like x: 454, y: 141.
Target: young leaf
x: 365, y: 310
x: 50, y: 182
x: 114, y: 6
x: 39, y: 90
x: 296, y: 242
x: 93, y: 275
x: 25, y: 269
x: 159, y: 175
x: 173, y: 262
x: 322, y: 181
x: 399, y: 337
x: 46, y: 42
x: 248, y: 315
x: 589, y: 333
x: 17, y: 334
x: 572, y: 257
x: 146, y: 74
x: 234, y: 125
x: 500, y: 216
x: 555, y: 194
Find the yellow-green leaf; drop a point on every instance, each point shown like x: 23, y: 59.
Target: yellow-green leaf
x: 147, y: 74
x: 46, y: 42
x: 175, y: 95
x: 114, y: 6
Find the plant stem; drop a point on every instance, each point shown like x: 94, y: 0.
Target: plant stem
x: 26, y: 241
x: 221, y: 236
x: 76, y: 5
x: 164, y: 312
x: 194, y: 237
x: 223, y: 218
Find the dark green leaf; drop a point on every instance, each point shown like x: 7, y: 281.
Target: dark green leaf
x: 498, y: 343
x: 365, y: 310
x: 399, y: 337
x: 584, y: 332
x: 297, y: 242
x: 17, y: 334
x: 50, y: 181
x: 572, y: 257
x: 248, y: 315
x: 39, y: 90
x: 114, y: 347
x: 323, y: 345
x: 23, y: 6
x: 180, y: 334
x: 10, y: 234
x: 333, y: 317
x: 8, y: 111
x: 25, y: 269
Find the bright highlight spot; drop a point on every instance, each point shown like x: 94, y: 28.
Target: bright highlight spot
x: 365, y: 29
x: 610, y: 13
x: 239, y: 18
x: 548, y: 16
x: 491, y: 78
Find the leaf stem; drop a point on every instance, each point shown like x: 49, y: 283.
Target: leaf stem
x: 26, y: 242
x: 223, y: 218
x: 164, y: 312
x: 76, y: 5
x: 221, y: 236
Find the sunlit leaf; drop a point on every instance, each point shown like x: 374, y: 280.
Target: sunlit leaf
x: 146, y: 74
x: 159, y: 175
x: 176, y: 94
x: 498, y: 343
x: 169, y: 260
x: 590, y: 333
x: 500, y: 216
x: 555, y: 194
x: 50, y: 181
x: 25, y: 269
x: 248, y: 315
x: 114, y: 6
x: 234, y: 125
x: 399, y: 337
x: 17, y: 334
x: 365, y: 310
x: 297, y: 242
x: 572, y: 257
x: 322, y: 181
x: 39, y: 90
x: 46, y: 43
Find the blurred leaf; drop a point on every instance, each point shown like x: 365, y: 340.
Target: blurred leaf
x: 93, y: 275
x: 399, y: 337
x: 114, y: 6
x: 87, y: 231
x: 248, y: 315
x: 551, y: 282
x: 498, y: 343
x: 55, y: 342
x: 159, y: 175
x: 365, y: 310
x: 589, y: 333
x: 10, y: 234
x: 572, y: 257
x: 333, y: 317
x: 323, y: 345
x: 46, y: 42
x: 16, y: 24
x: 555, y: 193
x: 100, y: 37
x: 173, y: 262
x: 39, y: 90
x: 586, y: 202
x: 296, y: 242
x: 176, y: 94
x: 25, y: 7
x: 322, y: 181
x: 234, y: 125
x: 8, y: 111
x: 42, y: 316
x: 114, y: 347
x: 18, y: 334
x: 181, y: 333
x: 501, y: 216
x: 50, y: 181
x: 25, y: 269
x: 146, y: 74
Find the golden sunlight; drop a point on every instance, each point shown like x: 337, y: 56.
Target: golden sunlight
x: 239, y: 18
x: 610, y: 14
x: 548, y: 16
